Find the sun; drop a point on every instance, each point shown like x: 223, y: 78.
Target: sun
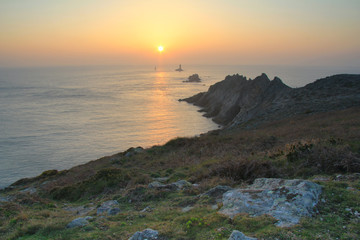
x: 160, y: 48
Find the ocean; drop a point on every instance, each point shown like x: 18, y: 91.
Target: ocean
x: 60, y: 117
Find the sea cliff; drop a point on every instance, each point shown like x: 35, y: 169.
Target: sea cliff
x: 240, y: 101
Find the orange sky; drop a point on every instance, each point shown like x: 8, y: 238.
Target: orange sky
x: 41, y: 32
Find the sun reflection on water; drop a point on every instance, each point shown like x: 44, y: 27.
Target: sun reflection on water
x: 161, y: 124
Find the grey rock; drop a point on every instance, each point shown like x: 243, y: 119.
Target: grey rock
x: 6, y: 199
x: 348, y: 177
x: 116, y: 158
x: 133, y: 151
x: 156, y: 184
x: 322, y: 179
x: 29, y: 190
x: 357, y: 214
x: 285, y: 200
x: 108, y: 207
x: 214, y: 207
x: 179, y: 185
x: 147, y: 234
x: 79, y: 210
x: 186, y: 209
x: 161, y: 179
x: 147, y: 209
x: 237, y: 235
x: 114, y: 211
x: 79, y: 222
x: 217, y: 191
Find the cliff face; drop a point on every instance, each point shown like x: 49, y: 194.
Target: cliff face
x: 237, y: 101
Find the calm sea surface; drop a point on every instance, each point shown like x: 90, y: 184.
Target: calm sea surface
x: 56, y: 118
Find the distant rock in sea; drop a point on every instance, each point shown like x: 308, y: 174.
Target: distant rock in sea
x: 239, y: 101
x: 193, y: 78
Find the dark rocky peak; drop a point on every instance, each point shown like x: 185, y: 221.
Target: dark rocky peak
x: 278, y: 83
x: 261, y: 81
x: 236, y: 77
x: 262, y: 77
x: 236, y: 81
x: 230, y: 81
x: 277, y: 80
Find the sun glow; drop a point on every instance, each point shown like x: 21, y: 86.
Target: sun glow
x: 160, y: 48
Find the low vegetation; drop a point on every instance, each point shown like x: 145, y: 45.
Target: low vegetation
x: 323, y: 147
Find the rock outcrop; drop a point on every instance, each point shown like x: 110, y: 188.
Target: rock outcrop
x: 237, y: 235
x: 285, y: 200
x: 79, y: 222
x: 108, y: 208
x: 175, y: 186
x: 148, y: 234
x: 239, y: 101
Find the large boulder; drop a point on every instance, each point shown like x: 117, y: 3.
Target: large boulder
x: 285, y: 200
x: 147, y: 234
x: 79, y: 222
x: 237, y: 235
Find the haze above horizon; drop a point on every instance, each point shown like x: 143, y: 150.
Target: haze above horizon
x: 49, y: 33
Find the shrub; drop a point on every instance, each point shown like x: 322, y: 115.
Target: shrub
x: 244, y: 169
x: 49, y: 173
x: 105, y: 178
x: 141, y: 194
x: 43, y: 175
x: 180, y: 142
x: 323, y: 159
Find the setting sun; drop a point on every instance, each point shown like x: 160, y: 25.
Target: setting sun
x: 160, y: 48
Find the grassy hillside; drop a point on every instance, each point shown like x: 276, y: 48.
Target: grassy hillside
x: 323, y: 147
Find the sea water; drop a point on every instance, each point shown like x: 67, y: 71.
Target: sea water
x: 60, y: 117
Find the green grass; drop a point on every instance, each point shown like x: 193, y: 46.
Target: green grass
x: 333, y: 221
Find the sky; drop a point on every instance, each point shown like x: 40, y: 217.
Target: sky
x: 97, y: 32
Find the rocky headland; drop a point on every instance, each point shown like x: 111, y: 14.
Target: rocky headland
x: 238, y: 101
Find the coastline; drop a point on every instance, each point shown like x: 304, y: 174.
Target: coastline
x: 206, y: 105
